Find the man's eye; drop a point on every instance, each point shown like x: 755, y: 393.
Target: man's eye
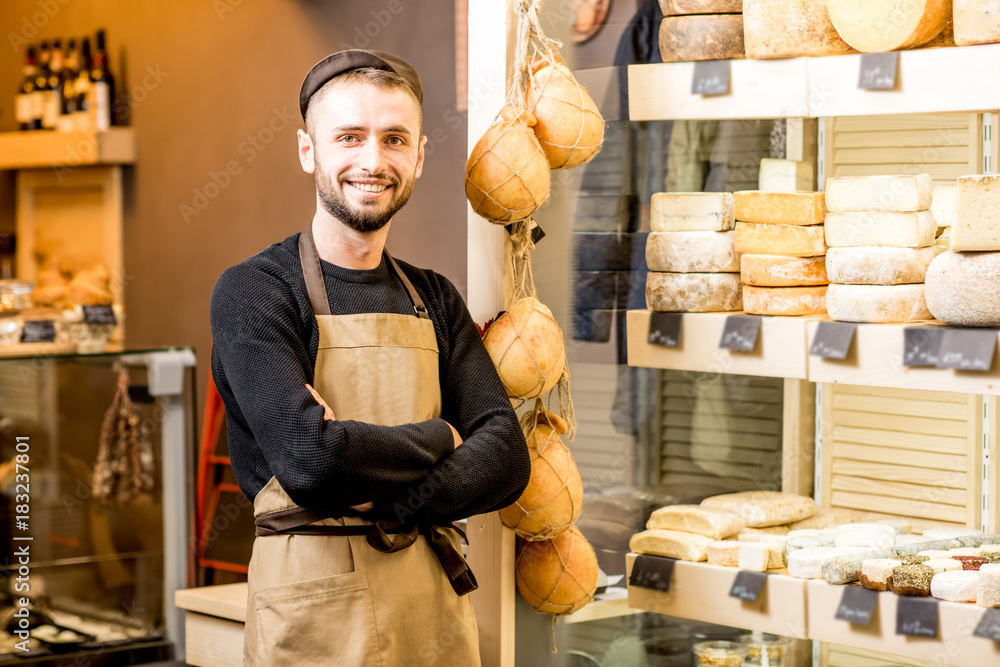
x: 349, y: 139
x: 396, y: 141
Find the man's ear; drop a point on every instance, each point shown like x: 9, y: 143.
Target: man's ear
x: 420, y: 157
x: 307, y: 152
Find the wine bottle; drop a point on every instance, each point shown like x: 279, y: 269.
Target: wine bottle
x: 67, y: 96
x: 102, y: 85
x: 23, y: 108
x: 53, y: 94
x: 41, y: 84
x: 81, y: 88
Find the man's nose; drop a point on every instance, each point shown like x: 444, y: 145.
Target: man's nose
x: 372, y: 157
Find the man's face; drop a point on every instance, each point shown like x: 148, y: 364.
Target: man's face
x: 368, y: 152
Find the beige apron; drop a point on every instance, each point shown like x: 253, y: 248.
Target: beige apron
x: 342, y: 591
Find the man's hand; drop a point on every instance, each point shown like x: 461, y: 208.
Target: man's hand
x: 328, y: 415
x: 454, y: 433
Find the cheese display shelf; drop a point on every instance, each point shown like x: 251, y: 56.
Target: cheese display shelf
x: 700, y: 592
x: 875, y: 357
x: 817, y: 87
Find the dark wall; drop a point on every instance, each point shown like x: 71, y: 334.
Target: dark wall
x: 213, y: 84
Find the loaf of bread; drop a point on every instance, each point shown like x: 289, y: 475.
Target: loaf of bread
x: 708, y: 521
x: 671, y: 543
x: 764, y: 508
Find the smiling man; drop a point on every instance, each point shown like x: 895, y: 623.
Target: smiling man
x: 365, y: 415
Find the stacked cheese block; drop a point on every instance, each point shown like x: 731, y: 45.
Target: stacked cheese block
x: 786, y: 175
x: 881, y: 234
x: 691, y: 254
x: 790, y: 28
x: 701, y: 30
x: 943, y: 209
x: 976, y: 21
x: 781, y: 239
x: 963, y: 284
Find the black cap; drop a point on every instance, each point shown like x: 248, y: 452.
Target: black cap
x: 345, y: 61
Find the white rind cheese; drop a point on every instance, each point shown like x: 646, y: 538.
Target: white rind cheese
x: 873, y: 26
x: 963, y: 288
x: 785, y: 175
x: 755, y: 238
x: 694, y: 292
x: 879, y: 193
x: 785, y: 208
x: 977, y: 213
x: 754, y: 556
x: 692, y: 252
x: 870, y: 265
x: 725, y: 553
x: 865, y: 535
x: 877, y: 303
x: 976, y: 21
x: 943, y: 204
x: 881, y: 228
x: 788, y: 301
x: 808, y: 563
x: 955, y: 585
x: 780, y: 271
x: 692, y: 212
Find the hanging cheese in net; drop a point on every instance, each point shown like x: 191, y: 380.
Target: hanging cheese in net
x: 557, y: 576
x: 507, y: 176
x: 526, y: 346
x: 552, y: 500
x: 568, y: 125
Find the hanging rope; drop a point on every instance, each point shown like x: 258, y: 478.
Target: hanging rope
x: 125, y: 466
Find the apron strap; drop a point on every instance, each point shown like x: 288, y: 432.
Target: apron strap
x: 312, y: 270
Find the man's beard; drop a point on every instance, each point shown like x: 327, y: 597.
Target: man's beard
x: 366, y: 217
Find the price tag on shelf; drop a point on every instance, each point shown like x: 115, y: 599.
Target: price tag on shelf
x: 652, y: 572
x: 916, y: 617
x: 967, y: 349
x: 857, y: 605
x: 747, y: 585
x: 989, y: 625
x: 711, y: 77
x: 740, y: 333
x: 665, y: 329
x: 921, y: 345
x: 878, y: 71
x: 99, y: 315
x: 833, y: 340
x: 38, y: 331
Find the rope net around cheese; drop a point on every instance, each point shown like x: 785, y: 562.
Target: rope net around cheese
x: 568, y: 125
x: 554, y: 496
x: 557, y: 576
x: 526, y: 346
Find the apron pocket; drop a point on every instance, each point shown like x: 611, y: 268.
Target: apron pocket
x: 329, y: 621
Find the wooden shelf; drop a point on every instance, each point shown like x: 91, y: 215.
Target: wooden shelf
x: 874, y: 360
x: 928, y: 80
x: 46, y: 148
x: 701, y: 592
x: 601, y: 609
x: 228, y: 601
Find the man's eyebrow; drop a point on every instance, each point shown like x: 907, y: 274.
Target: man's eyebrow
x: 395, y: 129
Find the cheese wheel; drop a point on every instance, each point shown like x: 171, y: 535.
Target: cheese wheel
x: 877, y: 303
x: 682, y: 7
x: 784, y: 300
x: 808, y: 563
x: 701, y: 37
x: 872, y: 26
x: 879, y: 193
x: 671, y: 544
x: 976, y: 21
x: 977, y: 213
x: 694, y: 292
x: 691, y: 212
x: 557, y: 576
x: 754, y: 238
x: 963, y: 288
x: 786, y: 208
x: 790, y: 28
x: 871, y: 265
x: 692, y: 252
x: 785, y: 175
x: 778, y: 271
x: 881, y: 228
x: 943, y: 204
x: 955, y: 585
x: 568, y: 125
x: 526, y: 347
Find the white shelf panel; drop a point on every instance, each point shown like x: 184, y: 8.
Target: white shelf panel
x: 954, y: 646
x: 780, y: 350
x: 602, y: 609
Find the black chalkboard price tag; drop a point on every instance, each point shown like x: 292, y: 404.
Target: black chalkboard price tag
x: 878, y: 71
x: 747, y: 585
x: 711, y: 77
x: 989, y: 625
x: 857, y: 605
x: 967, y: 349
x: 536, y: 231
x: 916, y: 616
x: 665, y: 329
x: 99, y: 315
x: 921, y: 346
x: 833, y: 340
x: 740, y: 333
x: 652, y: 572
x: 38, y: 331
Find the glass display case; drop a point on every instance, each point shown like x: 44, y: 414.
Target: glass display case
x: 94, y: 515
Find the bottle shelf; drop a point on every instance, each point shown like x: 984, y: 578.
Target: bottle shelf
x: 47, y: 148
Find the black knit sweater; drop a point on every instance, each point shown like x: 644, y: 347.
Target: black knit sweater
x: 265, y: 340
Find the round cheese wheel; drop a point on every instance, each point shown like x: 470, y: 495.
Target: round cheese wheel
x: 568, y: 125
x: 962, y: 288
x: 557, y: 576
x: 526, y: 347
x: 552, y: 500
x: 871, y: 26
x: 507, y: 176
